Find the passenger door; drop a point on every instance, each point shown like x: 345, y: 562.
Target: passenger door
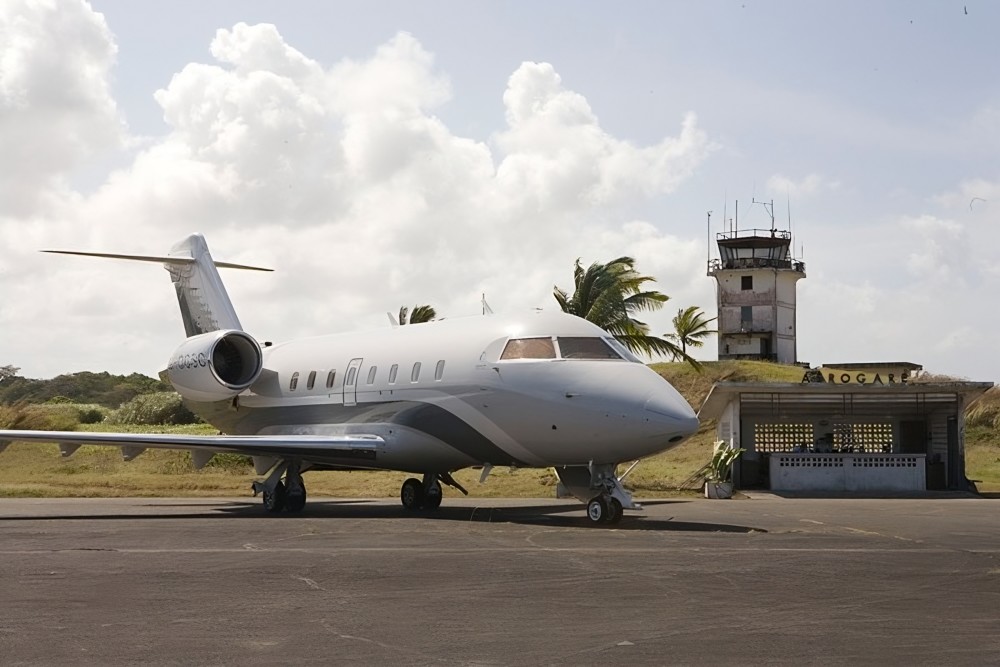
x: 351, y: 382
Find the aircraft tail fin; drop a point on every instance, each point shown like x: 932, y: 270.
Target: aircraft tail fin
x: 203, y: 300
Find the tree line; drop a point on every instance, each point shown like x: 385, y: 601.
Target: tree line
x: 103, y: 389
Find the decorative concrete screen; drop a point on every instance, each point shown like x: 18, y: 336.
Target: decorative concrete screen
x: 874, y: 437
x: 781, y: 437
x: 848, y: 472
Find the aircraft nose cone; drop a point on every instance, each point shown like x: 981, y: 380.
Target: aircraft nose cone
x: 675, y: 409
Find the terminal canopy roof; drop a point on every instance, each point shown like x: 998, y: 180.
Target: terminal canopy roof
x: 826, y: 397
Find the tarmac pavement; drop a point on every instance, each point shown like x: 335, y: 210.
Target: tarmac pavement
x: 766, y: 580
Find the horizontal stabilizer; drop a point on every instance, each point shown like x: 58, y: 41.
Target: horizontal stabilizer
x: 180, y: 261
x: 203, y: 301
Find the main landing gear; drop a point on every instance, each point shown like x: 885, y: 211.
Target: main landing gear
x: 426, y: 495
x: 288, y: 495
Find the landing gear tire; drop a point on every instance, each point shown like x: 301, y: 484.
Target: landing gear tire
x: 432, y: 497
x: 295, y: 500
x: 615, y: 511
x: 597, y: 510
x: 274, y: 501
x: 412, y: 494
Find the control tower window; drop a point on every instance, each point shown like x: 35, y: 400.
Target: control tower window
x: 529, y: 348
x: 746, y: 282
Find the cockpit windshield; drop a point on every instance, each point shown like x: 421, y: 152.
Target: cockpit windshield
x: 567, y: 347
x: 625, y: 353
x: 529, y: 348
x: 585, y: 348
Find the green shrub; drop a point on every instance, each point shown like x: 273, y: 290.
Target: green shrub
x: 91, y: 414
x: 150, y: 409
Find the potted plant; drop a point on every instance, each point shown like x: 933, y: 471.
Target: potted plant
x: 718, y: 478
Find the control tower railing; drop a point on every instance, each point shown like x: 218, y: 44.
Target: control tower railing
x: 743, y: 263
x: 754, y: 233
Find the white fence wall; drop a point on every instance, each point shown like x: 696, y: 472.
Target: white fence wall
x: 848, y: 472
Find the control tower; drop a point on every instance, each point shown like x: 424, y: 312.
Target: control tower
x: 755, y: 288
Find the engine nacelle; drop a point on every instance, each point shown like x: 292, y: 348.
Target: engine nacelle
x: 215, y: 366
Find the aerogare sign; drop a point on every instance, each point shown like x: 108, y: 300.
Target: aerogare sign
x: 877, y: 373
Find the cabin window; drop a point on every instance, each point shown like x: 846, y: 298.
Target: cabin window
x: 371, y: 375
x: 746, y: 282
x: 415, y: 373
x: 330, y: 377
x: 529, y: 348
x: 392, y: 373
x: 439, y: 371
x: 294, y: 382
x: 585, y: 348
x: 350, y: 377
x: 311, y: 381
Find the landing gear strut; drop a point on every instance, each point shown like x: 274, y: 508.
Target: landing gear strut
x: 279, y: 495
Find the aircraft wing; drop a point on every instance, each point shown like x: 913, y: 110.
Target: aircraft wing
x: 202, y: 447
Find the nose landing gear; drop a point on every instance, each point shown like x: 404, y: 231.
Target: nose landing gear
x: 599, y: 487
x: 605, y: 509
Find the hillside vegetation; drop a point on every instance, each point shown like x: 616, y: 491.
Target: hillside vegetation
x: 102, y: 389
x: 33, y: 470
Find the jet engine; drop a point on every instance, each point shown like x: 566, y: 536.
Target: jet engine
x: 215, y: 366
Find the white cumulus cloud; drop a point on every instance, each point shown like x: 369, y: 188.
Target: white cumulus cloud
x: 342, y: 177
x: 55, y: 104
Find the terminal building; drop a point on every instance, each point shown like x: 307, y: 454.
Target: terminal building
x: 858, y: 428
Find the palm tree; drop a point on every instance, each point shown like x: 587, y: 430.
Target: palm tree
x: 690, y: 328
x: 420, y: 314
x: 609, y: 295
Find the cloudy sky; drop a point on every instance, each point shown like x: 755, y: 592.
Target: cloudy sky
x: 377, y: 154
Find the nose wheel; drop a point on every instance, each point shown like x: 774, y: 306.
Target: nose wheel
x: 605, y: 510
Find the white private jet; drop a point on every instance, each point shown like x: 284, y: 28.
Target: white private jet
x: 542, y: 389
